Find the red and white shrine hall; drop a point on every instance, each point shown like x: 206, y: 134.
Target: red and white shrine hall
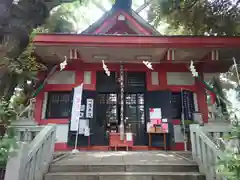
x: 122, y: 38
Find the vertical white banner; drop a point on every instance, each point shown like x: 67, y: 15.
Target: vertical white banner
x: 76, y: 107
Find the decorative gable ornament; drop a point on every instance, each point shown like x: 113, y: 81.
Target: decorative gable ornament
x: 63, y: 64
x: 116, y: 33
x: 105, y: 68
x: 121, y: 17
x: 148, y: 64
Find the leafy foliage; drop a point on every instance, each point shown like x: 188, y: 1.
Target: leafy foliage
x: 21, y: 69
x: 63, y: 18
x: 58, y: 21
x: 229, y: 167
x: 7, y: 114
x: 8, y: 145
x: 219, y: 89
x: 198, y: 17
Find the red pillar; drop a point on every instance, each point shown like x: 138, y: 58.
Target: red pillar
x: 202, y: 97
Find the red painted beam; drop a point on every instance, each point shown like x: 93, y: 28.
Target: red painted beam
x: 136, y: 41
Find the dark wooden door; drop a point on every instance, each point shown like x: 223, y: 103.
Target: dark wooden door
x: 106, y: 112
x: 135, y: 116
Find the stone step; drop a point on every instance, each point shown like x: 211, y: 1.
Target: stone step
x: 54, y: 168
x: 125, y: 176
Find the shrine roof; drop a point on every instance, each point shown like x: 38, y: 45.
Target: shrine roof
x: 209, y: 50
x: 136, y: 40
x: 131, y: 14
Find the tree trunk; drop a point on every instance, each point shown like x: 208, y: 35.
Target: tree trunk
x: 7, y: 85
x: 17, y: 22
x: 2, y: 130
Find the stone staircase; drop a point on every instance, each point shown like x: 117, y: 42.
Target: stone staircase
x: 148, y: 165
x: 34, y: 158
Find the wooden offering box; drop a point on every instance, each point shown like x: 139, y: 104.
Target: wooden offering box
x: 115, y: 142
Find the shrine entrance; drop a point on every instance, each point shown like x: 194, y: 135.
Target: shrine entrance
x: 108, y: 105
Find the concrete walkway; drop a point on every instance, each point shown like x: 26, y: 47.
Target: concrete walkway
x: 126, y: 158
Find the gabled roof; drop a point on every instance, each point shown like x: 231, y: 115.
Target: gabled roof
x: 133, y: 19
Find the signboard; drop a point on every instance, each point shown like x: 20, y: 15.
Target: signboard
x: 89, y: 108
x: 86, y: 131
x: 129, y: 137
x: 76, y: 107
x: 165, y: 127
x: 188, y: 104
x: 83, y: 124
x: 155, y: 113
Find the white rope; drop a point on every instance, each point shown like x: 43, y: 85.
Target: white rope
x: 148, y: 64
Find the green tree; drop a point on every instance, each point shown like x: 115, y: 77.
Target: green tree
x: 63, y: 18
x: 18, y: 19
x: 201, y: 17
x: 229, y: 167
x: 198, y: 17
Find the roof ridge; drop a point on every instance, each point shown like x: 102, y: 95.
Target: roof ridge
x: 138, y: 18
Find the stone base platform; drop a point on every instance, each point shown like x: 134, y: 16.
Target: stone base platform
x: 122, y: 165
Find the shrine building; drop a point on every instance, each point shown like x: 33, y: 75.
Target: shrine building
x: 128, y: 46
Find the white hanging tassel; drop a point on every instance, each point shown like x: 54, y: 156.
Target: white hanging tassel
x: 105, y: 68
x: 148, y: 64
x: 15, y: 1
x: 193, y: 70
x: 63, y: 64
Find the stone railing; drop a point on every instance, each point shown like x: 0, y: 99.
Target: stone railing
x: 205, y: 151
x: 216, y: 132
x: 33, y: 158
x: 26, y: 129
x: 26, y: 133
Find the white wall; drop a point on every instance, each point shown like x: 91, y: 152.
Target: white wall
x: 62, y: 77
x: 209, y: 76
x: 178, y: 135
x: 180, y: 78
x: 62, y: 133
